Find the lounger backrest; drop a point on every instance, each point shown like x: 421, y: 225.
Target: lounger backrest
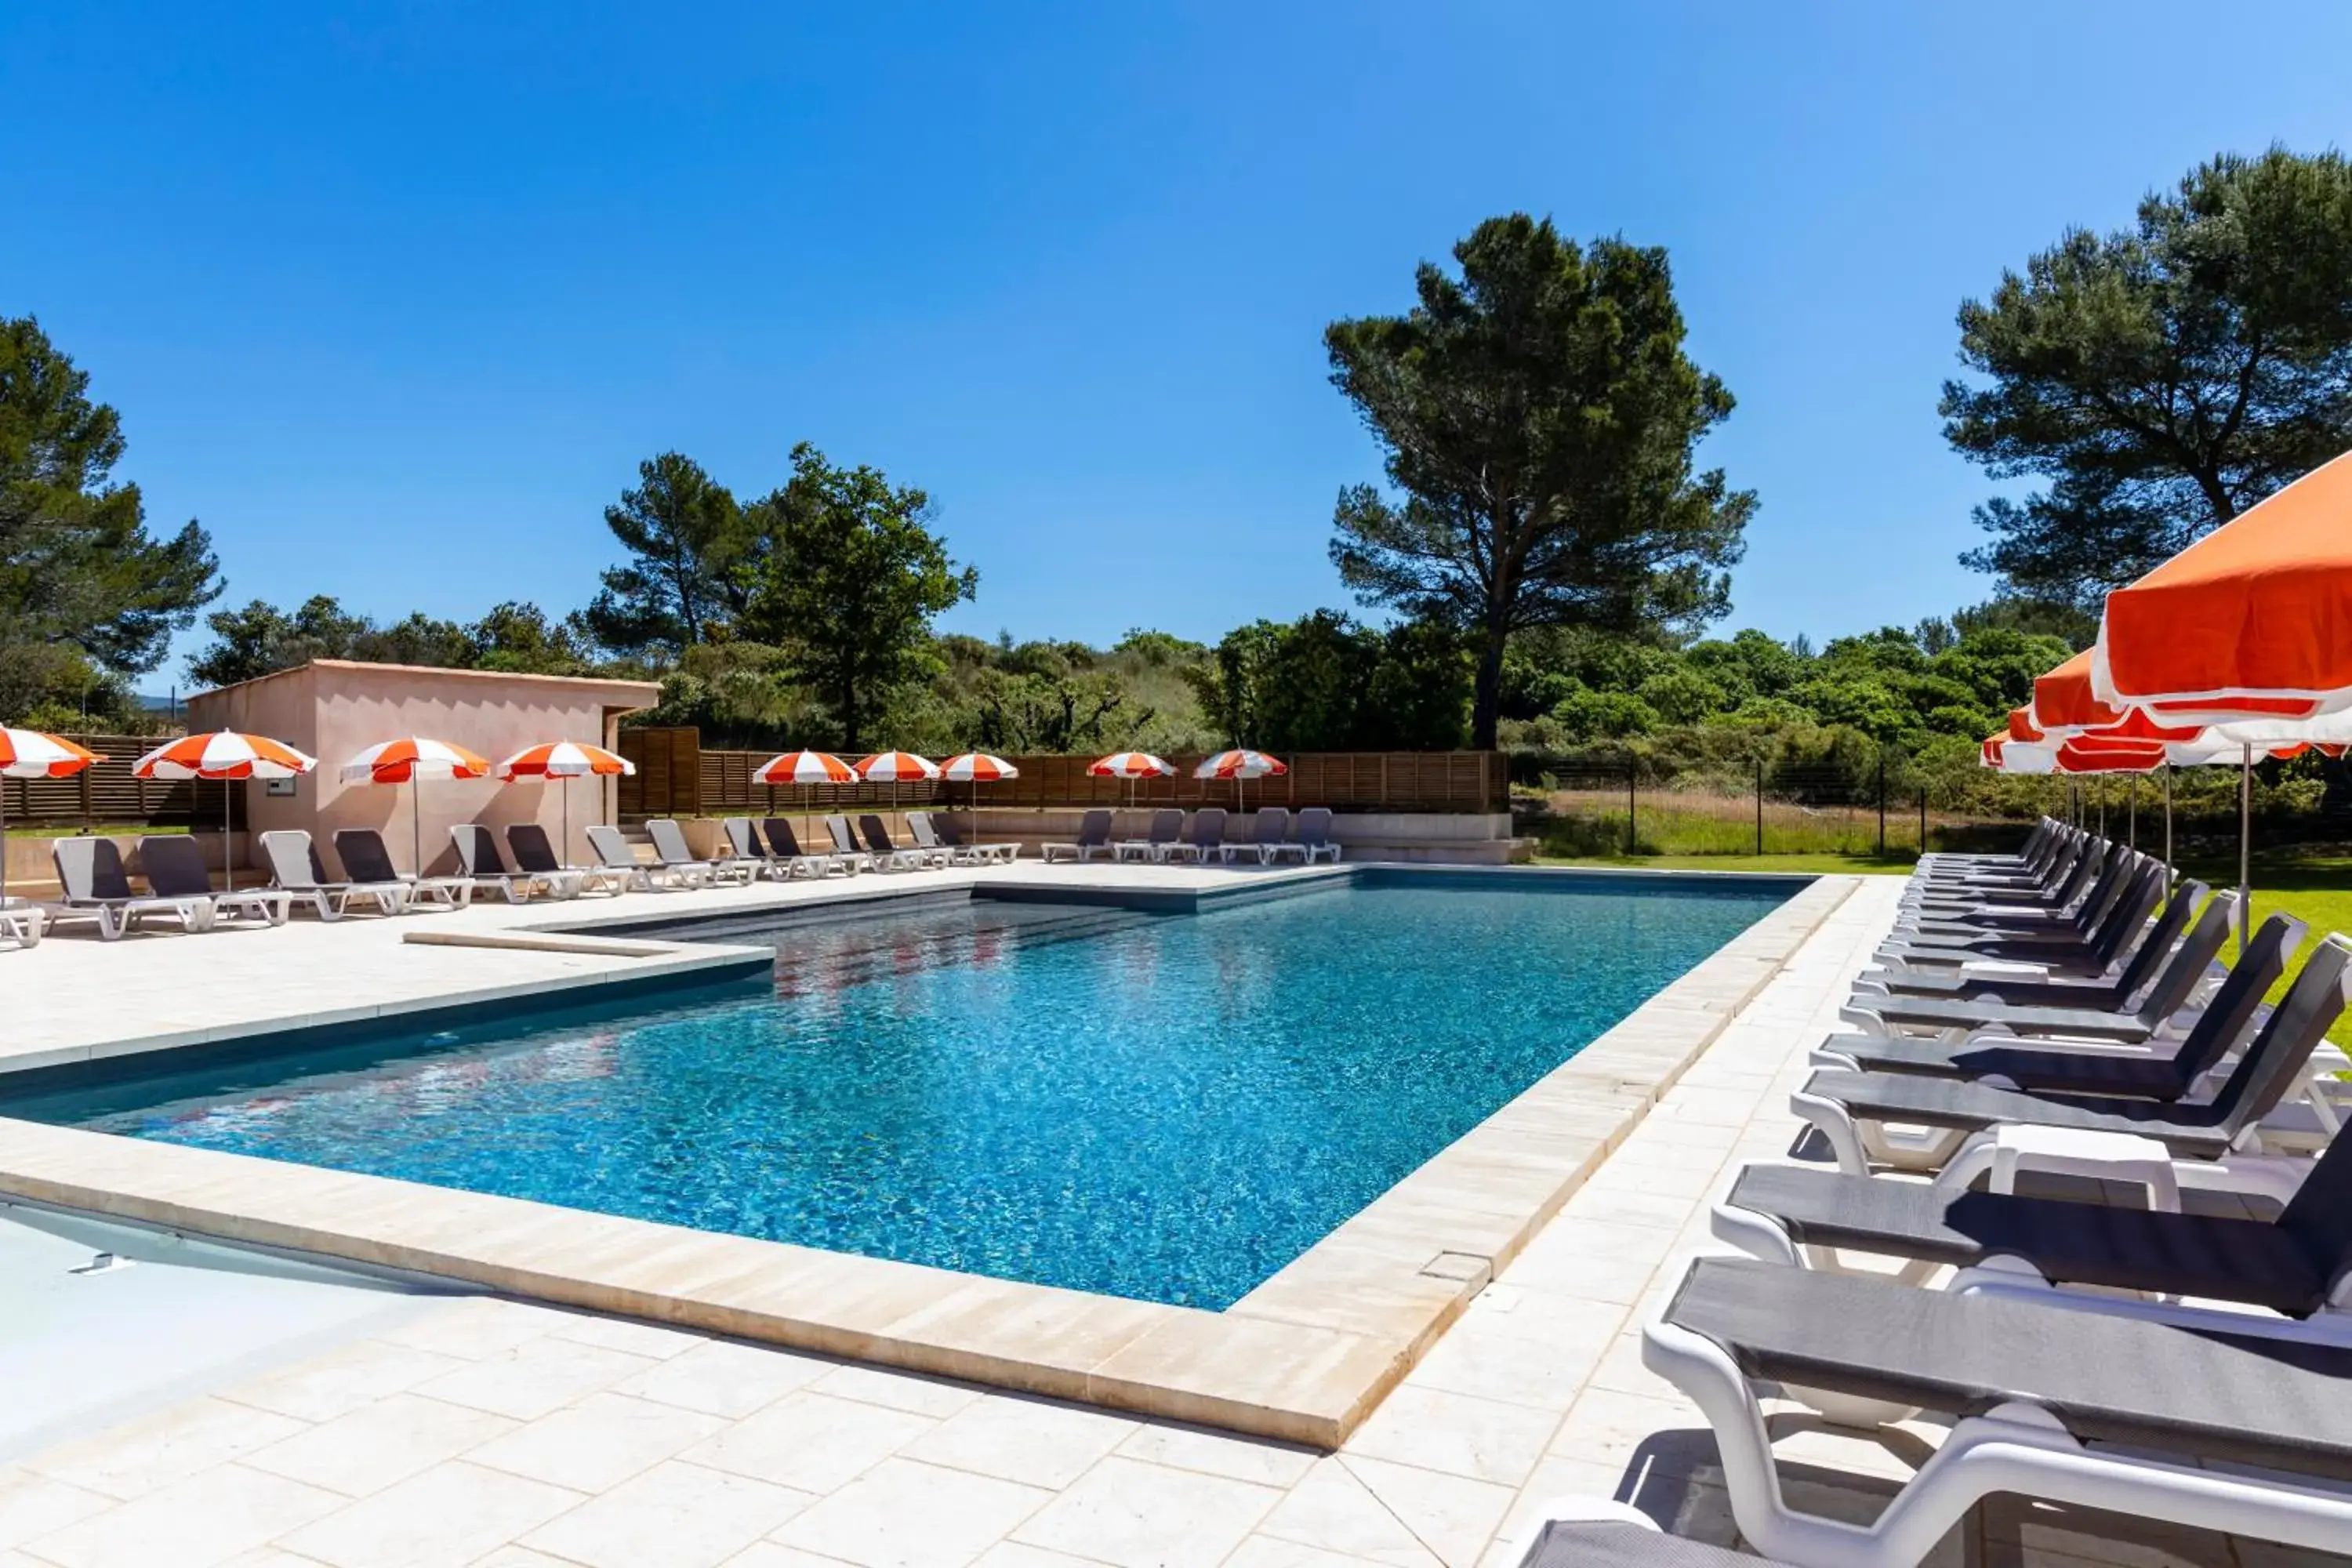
x: 948, y: 826
x: 477, y: 850
x: 2320, y: 1215
x: 1270, y: 825
x: 1315, y: 825
x: 2157, y: 945
x: 76, y: 860
x: 293, y: 861
x: 611, y: 849
x: 2188, y: 963
x: 532, y: 852
x: 877, y: 837
x: 782, y: 839
x: 743, y: 838
x: 1167, y: 825
x: 1209, y: 827
x: 669, y: 842
x: 918, y: 823
x: 2230, y: 1009
x: 364, y: 857
x: 174, y: 865
x: 2275, y: 1062
x: 1094, y: 828
x: 836, y: 827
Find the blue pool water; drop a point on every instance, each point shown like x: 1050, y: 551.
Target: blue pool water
x: 1170, y: 1107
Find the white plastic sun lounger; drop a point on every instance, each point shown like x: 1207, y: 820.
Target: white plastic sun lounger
x: 671, y: 853
x: 1093, y: 839
x: 613, y: 853
x: 478, y: 852
x: 90, y: 870
x: 294, y: 867
x: 367, y: 861
x: 173, y: 865
x: 535, y: 854
x: 2197, y: 1418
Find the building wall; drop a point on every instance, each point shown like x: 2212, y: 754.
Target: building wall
x: 334, y: 710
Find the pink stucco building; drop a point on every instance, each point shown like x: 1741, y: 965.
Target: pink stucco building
x: 333, y: 709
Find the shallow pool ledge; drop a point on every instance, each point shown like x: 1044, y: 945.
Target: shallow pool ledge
x: 1304, y: 1357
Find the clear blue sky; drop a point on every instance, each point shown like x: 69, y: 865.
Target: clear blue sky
x: 394, y: 299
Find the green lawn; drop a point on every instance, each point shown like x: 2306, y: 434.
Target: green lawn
x: 1853, y: 864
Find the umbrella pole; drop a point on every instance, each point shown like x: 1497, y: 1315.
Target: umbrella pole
x: 2168, y: 828
x: 565, y: 857
x: 3, y: 842
x: 2131, y: 818
x: 228, y: 860
x: 2245, y: 846
x: 417, y: 826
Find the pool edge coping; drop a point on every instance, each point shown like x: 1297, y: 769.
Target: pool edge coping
x: 1304, y: 1357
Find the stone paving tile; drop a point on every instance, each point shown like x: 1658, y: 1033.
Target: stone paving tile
x: 194, y: 1523
x: 536, y: 1378
x: 343, y: 1380
x: 598, y: 1442
x: 811, y: 1441
x: 674, y: 1515
x: 1452, y: 1516
x: 1133, y: 1515
x: 155, y: 1451
x: 32, y: 1505
x: 1331, y: 1509
x: 1484, y: 1439
x: 453, y: 1513
x: 1024, y: 1440
x: 724, y: 1378
x: 897, y: 1390
x: 905, y: 1514
x: 1219, y: 1454
x: 371, y: 1448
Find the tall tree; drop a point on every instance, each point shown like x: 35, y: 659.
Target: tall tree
x: 853, y: 578
x: 2161, y: 378
x: 77, y: 562
x: 1537, y: 416
x: 692, y: 568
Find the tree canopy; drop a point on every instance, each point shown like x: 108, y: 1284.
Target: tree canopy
x: 1538, y: 416
x: 692, y: 566
x: 259, y: 638
x: 854, y: 578
x: 86, y: 593
x: 2161, y: 378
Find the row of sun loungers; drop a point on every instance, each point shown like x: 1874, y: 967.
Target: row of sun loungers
x: 2034, y: 1020
x: 1168, y: 838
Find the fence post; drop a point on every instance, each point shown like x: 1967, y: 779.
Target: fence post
x: 1759, y: 806
x: 1882, y: 803
x: 1632, y: 841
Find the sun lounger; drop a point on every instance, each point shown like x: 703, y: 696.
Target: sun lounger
x: 1166, y: 827
x: 2155, y: 946
x: 614, y: 853
x: 478, y: 852
x: 1269, y: 837
x: 1853, y: 1109
x: 2174, y: 985
x: 365, y: 859
x: 1315, y: 834
x: 22, y: 924
x: 845, y: 847
x: 2151, y: 1070
x: 294, y: 867
x: 2106, y: 917
x: 892, y: 856
x: 948, y: 829
x: 2204, y: 1425
x: 671, y: 855
x: 173, y: 865
x: 535, y: 855
x: 2086, y: 952
x: 1206, y: 839
x: 2297, y: 1265
x: 90, y: 870
x: 1093, y: 839
x: 784, y: 845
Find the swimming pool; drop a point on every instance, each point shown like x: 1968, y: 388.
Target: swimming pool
x: 1167, y: 1107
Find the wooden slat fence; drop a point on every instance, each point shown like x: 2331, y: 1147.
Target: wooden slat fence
x: 716, y: 783
x: 108, y: 793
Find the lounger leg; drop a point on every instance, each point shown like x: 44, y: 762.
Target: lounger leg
x: 1831, y: 1121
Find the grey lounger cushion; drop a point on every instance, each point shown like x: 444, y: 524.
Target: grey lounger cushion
x: 2155, y: 947
x: 2279, y: 1264
x: 2275, y: 1404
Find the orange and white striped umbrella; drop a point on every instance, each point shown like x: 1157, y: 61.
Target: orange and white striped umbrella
x: 896, y: 767
x: 1243, y: 763
x: 413, y: 757
x: 1128, y: 765
x: 805, y: 768
x: 37, y: 754
x: 223, y: 755
x: 977, y: 767
x: 563, y: 759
